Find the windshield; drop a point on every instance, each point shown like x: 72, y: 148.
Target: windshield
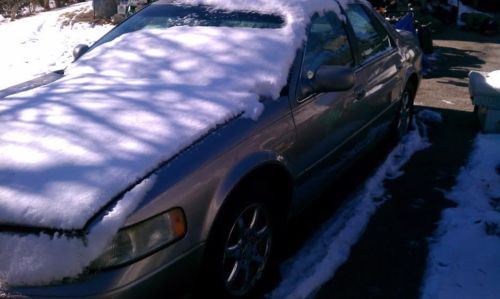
x: 168, y: 15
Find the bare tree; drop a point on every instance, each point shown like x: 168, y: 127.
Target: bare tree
x: 43, y: 3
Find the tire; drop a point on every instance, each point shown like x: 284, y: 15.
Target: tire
x: 240, y: 250
x: 404, y: 117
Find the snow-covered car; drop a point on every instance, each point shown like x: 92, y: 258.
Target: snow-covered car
x: 174, y: 150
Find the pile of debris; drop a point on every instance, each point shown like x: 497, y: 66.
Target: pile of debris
x: 472, y: 15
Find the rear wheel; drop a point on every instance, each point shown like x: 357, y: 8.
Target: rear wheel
x: 405, y: 113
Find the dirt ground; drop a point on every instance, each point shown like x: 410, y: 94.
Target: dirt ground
x: 459, y: 52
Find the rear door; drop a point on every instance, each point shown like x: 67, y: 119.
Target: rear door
x: 379, y: 71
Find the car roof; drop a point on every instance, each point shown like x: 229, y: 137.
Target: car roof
x: 266, y: 6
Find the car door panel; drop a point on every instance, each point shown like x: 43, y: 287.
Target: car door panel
x: 380, y: 63
x: 333, y: 129
x: 324, y: 121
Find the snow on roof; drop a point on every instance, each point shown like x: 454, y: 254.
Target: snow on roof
x: 69, y: 147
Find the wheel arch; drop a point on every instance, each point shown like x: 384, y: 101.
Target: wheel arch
x: 260, y: 166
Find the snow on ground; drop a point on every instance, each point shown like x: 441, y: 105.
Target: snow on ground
x: 69, y: 147
x: 321, y: 256
x: 464, y: 259
x: 39, y: 44
x: 493, y: 79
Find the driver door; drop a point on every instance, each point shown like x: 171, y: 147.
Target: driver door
x: 324, y: 121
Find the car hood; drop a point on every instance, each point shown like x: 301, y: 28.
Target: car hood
x: 68, y: 148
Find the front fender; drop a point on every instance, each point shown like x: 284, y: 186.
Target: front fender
x: 234, y: 176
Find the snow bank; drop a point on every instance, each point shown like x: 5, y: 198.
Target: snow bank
x: 464, y: 260
x: 493, y: 79
x: 320, y: 258
x: 39, y: 44
x: 69, y: 147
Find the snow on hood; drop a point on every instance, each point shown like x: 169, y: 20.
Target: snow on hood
x: 69, y: 147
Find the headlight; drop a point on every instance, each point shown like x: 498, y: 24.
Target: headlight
x: 142, y: 239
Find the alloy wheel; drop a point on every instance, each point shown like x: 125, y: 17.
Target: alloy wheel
x: 405, y: 113
x: 247, y: 250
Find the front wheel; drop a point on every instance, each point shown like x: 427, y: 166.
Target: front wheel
x: 247, y: 250
x: 239, y: 257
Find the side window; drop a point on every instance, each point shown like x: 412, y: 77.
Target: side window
x: 327, y: 44
x: 371, y: 35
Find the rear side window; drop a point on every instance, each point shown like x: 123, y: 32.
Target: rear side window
x: 370, y: 34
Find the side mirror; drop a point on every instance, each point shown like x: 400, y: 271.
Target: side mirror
x: 79, y: 50
x: 333, y: 78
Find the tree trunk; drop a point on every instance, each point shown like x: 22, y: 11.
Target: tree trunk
x: 45, y: 4
x: 105, y: 8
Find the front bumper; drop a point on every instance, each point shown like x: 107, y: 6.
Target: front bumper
x: 172, y: 279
